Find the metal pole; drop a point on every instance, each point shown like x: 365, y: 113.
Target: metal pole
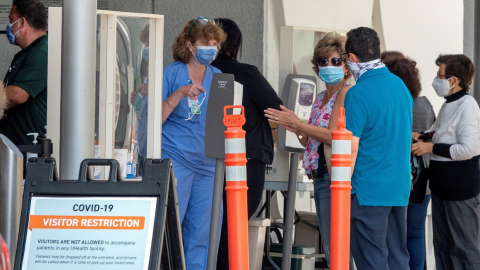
x: 79, y: 20
x: 476, y: 52
x: 11, y: 190
x: 290, y: 212
x: 216, y: 215
x: 266, y: 248
x: 46, y: 147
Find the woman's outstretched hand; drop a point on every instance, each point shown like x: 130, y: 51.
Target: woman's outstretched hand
x: 285, y: 118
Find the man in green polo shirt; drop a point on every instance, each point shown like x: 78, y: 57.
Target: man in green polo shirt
x: 26, y: 79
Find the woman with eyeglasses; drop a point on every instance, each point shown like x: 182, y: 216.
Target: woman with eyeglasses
x: 316, y: 135
x: 454, y: 166
x: 186, y: 86
x: 258, y: 95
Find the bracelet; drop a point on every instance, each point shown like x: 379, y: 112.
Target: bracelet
x: 298, y: 126
x: 170, y: 103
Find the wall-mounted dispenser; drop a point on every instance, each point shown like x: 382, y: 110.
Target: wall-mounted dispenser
x: 298, y: 95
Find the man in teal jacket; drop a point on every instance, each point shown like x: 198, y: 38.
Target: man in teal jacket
x: 379, y: 114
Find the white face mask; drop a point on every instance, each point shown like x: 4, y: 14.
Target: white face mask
x: 441, y: 86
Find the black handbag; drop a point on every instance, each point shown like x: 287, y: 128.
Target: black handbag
x: 420, y: 176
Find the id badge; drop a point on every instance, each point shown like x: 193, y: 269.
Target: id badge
x: 192, y: 102
x: 195, y: 110
x: 194, y: 105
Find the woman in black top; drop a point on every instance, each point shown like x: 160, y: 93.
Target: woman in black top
x: 258, y: 95
x: 454, y: 166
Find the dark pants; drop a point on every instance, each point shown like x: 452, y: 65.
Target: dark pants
x: 456, y: 233
x: 416, y: 215
x: 255, y: 183
x: 378, y: 237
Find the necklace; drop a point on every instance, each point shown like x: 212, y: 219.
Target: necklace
x: 338, y: 89
x: 325, y: 100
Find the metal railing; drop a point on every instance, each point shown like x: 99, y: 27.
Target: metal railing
x: 11, y: 190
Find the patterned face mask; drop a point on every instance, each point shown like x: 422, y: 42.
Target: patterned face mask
x: 359, y: 68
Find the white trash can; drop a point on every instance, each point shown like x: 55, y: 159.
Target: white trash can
x: 256, y: 241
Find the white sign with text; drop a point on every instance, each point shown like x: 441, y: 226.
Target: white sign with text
x: 77, y: 233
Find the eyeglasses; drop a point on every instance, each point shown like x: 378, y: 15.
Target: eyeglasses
x: 444, y: 76
x: 323, y: 62
x: 344, y: 55
x: 202, y: 20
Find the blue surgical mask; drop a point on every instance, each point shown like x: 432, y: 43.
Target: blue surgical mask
x: 206, y: 54
x: 10, y: 35
x: 145, y: 54
x: 331, y: 75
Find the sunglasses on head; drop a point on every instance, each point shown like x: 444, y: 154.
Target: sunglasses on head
x: 202, y: 20
x: 323, y: 62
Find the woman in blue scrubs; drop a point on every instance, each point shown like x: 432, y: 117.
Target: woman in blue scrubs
x: 186, y: 86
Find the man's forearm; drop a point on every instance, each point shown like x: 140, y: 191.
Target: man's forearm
x: 354, y: 159
x: 355, y: 143
x: 15, y: 96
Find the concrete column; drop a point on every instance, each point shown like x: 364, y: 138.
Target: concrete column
x: 476, y: 52
x: 78, y: 85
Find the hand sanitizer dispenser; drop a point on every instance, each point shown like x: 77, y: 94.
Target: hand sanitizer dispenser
x: 35, y: 135
x: 298, y: 95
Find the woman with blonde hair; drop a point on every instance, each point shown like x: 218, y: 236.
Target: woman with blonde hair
x: 186, y: 86
x: 316, y: 135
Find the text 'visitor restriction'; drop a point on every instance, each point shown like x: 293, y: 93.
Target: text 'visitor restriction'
x: 105, y: 232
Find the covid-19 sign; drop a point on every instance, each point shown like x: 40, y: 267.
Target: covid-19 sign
x: 95, y: 232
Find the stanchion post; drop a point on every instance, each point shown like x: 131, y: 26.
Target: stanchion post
x: 236, y: 189
x: 341, y: 187
x: 216, y: 214
x: 290, y: 212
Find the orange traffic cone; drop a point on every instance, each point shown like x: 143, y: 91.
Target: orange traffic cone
x: 341, y: 187
x: 236, y: 188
